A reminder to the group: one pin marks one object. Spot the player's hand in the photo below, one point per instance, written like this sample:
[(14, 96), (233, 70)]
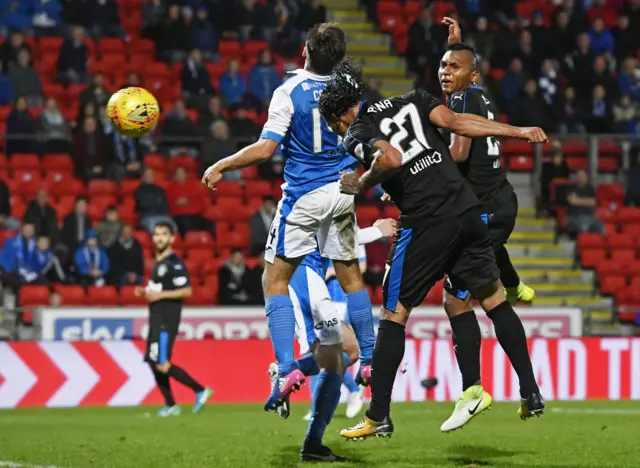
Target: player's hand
[(534, 135), (388, 226), (455, 33), (152, 296), (385, 197), (211, 177), (138, 291), (350, 183)]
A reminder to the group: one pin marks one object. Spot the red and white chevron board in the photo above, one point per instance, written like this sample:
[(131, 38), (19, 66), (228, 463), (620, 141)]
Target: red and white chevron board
[(112, 373)]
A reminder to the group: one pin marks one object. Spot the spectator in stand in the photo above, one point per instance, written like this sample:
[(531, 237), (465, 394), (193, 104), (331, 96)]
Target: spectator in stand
[(125, 155), (216, 145), (554, 169), (548, 82), (232, 278), (577, 20), (632, 197), (6, 93), (632, 10), (89, 150), (629, 79), (132, 80), (109, 228), (263, 78), (16, 256), (126, 259), (10, 49), (73, 58), (249, 14), (54, 128), (579, 65), (43, 216), (512, 83), (530, 110), (241, 126), (489, 83), (570, 113), (212, 114), (96, 92), (484, 37), (260, 223), (527, 53), (253, 281), (45, 264), (624, 115), (151, 202), (202, 34), (601, 38), (274, 17), (600, 76), (627, 41), (75, 226), (21, 129), (73, 12), (173, 43), (507, 41), (372, 93), (153, 14), (599, 118), (88, 110), (421, 48), (311, 12), (186, 202), (176, 129), (6, 221), (582, 205), (103, 18), (24, 80), (560, 36), (196, 83), (540, 35), (377, 253), (92, 262), (233, 86)]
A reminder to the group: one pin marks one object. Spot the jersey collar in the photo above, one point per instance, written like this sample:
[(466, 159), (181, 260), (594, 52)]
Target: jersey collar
[(309, 75)]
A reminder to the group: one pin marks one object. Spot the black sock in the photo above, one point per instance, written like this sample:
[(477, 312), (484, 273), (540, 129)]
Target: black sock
[(508, 274), (512, 338), (387, 356), (466, 343), (164, 384), (181, 376)]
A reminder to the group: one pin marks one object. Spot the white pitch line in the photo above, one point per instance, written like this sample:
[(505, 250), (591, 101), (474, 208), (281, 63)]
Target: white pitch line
[(620, 412), (10, 464)]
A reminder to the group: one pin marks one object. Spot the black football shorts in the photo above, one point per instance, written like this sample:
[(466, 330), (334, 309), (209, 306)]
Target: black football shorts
[(459, 247), (163, 330)]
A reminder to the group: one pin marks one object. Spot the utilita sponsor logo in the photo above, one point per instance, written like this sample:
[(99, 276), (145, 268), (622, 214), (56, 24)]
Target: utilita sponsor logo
[(219, 329)]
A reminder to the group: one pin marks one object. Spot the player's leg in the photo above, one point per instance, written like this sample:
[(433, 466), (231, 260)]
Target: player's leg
[(476, 268), (154, 358), (466, 339), (416, 262)]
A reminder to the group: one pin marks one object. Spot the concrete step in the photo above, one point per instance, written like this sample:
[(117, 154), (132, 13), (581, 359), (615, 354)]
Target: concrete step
[(390, 92), (368, 49), (562, 289), (606, 329), (535, 224), (403, 84), (532, 237), (543, 275), (526, 212), (379, 61), (522, 263), (356, 26), (341, 4), (526, 200), (540, 250), (368, 38), (384, 72), (596, 303), (599, 315), (520, 179), (352, 16)]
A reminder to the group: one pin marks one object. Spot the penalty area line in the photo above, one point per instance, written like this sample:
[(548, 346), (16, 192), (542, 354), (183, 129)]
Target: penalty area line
[(10, 464), (612, 411)]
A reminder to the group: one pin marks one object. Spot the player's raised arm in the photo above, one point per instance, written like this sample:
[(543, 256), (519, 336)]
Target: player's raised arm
[(280, 113), (386, 161), (474, 126), (455, 33)]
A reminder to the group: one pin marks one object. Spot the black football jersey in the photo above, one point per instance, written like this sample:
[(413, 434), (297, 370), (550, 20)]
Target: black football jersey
[(428, 187), (482, 167), (169, 273)]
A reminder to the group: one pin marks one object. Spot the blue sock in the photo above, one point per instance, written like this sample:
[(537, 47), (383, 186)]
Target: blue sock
[(307, 364), (361, 318), (349, 382), (282, 325), (313, 383), (325, 401)]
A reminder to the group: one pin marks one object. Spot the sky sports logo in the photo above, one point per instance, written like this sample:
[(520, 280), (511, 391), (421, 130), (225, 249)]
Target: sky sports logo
[(93, 329)]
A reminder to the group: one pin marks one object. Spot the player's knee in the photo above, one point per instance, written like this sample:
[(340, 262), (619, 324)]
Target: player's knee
[(276, 276), (401, 314), (490, 295), (454, 306), (163, 368)]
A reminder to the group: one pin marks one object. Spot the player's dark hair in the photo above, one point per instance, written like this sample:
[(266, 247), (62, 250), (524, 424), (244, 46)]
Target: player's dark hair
[(343, 91), (464, 47), (326, 46), (165, 224)]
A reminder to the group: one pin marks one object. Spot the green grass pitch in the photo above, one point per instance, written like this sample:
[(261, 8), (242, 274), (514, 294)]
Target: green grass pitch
[(569, 435)]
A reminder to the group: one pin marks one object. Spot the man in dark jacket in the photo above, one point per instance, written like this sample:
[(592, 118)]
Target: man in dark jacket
[(73, 57), (76, 226), (89, 150), (42, 215), (6, 221), (151, 202), (260, 223), (233, 276), (126, 259)]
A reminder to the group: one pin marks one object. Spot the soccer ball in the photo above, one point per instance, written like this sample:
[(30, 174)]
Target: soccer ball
[(133, 111)]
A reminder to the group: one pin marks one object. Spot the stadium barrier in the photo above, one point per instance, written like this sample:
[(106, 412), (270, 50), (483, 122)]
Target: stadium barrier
[(112, 373), (240, 323)]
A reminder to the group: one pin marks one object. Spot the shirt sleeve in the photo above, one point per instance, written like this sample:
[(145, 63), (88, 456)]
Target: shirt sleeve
[(180, 276), (466, 103), (425, 101), (359, 141), (280, 115)]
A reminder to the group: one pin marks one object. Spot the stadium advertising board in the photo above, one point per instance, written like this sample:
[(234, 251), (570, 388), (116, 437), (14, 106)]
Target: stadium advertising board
[(228, 323), (112, 373)]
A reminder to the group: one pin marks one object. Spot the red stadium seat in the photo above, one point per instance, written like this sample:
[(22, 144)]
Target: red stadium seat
[(632, 229), (610, 192), (128, 187), (521, 163), (590, 241), (628, 296), (610, 285), (25, 162), (102, 187), (103, 296), (202, 297), (198, 240), (186, 162), (128, 296), (232, 210), (251, 49), (367, 215), (230, 189), (611, 268), (591, 258), (72, 294), (231, 49), (619, 241), (250, 173), (143, 239), (33, 295), (259, 188), (155, 162), (628, 215), (623, 255), (635, 283), (71, 188), (61, 162), (391, 211)]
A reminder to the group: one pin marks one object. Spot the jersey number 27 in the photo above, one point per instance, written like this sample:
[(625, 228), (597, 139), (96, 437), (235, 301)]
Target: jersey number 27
[(407, 115)]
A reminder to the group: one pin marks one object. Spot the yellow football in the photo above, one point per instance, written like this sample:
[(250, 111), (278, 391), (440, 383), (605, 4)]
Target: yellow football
[(133, 111)]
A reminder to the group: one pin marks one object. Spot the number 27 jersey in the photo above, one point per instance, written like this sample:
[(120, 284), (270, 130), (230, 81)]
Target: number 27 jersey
[(428, 187)]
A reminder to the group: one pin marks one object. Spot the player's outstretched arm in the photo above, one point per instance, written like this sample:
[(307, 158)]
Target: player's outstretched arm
[(386, 160), (455, 33), (474, 126), (251, 155)]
